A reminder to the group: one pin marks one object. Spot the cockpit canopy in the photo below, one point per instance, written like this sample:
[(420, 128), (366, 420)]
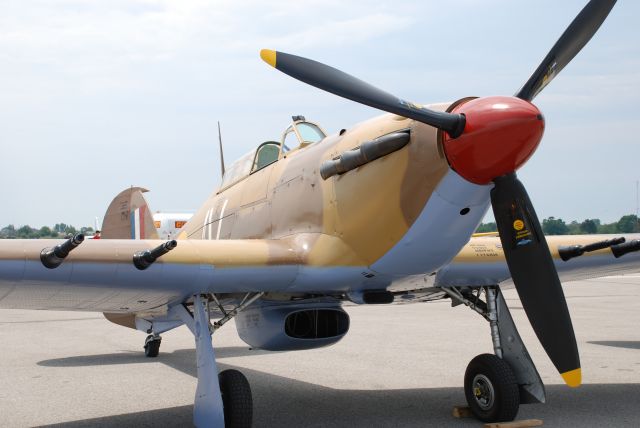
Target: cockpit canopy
[(298, 135)]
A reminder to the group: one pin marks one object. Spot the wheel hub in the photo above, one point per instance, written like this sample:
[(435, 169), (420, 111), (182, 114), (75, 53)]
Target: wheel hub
[(483, 391)]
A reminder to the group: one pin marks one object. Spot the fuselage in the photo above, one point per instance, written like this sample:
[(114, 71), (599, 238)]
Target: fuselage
[(401, 214)]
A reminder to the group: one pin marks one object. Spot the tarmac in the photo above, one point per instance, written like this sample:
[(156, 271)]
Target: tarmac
[(399, 366)]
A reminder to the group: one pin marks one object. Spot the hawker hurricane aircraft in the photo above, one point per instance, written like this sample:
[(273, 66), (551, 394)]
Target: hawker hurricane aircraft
[(380, 212)]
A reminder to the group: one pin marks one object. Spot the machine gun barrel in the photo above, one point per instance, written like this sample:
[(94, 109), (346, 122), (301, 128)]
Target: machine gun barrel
[(53, 257), (628, 247), (144, 259), (603, 244), (567, 253)]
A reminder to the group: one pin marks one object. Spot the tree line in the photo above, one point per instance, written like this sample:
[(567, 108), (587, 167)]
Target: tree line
[(550, 226), (557, 226), (59, 230)]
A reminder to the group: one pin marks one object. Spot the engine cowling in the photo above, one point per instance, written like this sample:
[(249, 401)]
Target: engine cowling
[(292, 327)]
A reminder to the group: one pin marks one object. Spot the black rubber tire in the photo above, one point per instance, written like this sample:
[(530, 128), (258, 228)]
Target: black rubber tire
[(152, 347), (506, 394), (236, 399)]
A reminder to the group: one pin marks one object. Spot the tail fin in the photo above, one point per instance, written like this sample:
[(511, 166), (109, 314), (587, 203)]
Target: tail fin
[(129, 217)]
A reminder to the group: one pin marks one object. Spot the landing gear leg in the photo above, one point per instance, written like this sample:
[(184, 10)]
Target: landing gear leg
[(208, 410), (496, 385), (221, 400)]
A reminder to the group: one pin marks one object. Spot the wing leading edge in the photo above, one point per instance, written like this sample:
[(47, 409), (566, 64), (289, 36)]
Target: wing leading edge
[(100, 275)]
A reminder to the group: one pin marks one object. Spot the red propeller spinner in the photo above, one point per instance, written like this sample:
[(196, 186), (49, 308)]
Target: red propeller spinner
[(500, 135)]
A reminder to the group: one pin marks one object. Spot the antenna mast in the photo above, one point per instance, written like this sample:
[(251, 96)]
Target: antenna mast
[(637, 206), (221, 152)]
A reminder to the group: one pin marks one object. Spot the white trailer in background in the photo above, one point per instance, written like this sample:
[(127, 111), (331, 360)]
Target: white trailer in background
[(169, 224)]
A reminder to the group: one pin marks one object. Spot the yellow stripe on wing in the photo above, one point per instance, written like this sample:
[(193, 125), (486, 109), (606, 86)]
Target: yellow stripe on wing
[(483, 234)]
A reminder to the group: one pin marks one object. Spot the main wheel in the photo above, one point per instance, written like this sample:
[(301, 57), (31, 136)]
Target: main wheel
[(491, 389), (236, 399), (152, 346)]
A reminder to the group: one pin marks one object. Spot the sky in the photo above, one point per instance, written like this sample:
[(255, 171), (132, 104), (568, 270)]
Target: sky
[(96, 96)]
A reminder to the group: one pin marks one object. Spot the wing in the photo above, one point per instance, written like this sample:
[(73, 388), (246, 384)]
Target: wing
[(482, 262), (100, 275)]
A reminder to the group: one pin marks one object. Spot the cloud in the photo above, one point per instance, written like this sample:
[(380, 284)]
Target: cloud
[(352, 31), (79, 36)]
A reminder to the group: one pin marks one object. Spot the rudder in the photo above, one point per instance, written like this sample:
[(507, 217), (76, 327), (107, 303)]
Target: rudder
[(129, 217)]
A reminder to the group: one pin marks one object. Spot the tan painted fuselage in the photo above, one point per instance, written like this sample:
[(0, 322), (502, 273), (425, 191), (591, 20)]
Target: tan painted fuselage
[(349, 219)]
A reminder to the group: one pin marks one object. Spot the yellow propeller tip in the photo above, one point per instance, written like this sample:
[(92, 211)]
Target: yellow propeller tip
[(269, 57), (573, 378)]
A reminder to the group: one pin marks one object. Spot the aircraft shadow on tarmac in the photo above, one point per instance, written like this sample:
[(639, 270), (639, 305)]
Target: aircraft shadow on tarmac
[(280, 401), (181, 359), (627, 344)]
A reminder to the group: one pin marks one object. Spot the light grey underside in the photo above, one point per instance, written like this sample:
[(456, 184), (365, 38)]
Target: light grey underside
[(122, 288)]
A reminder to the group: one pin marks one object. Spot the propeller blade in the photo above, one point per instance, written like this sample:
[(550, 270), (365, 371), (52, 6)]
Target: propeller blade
[(535, 276), (344, 85), (583, 27)]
